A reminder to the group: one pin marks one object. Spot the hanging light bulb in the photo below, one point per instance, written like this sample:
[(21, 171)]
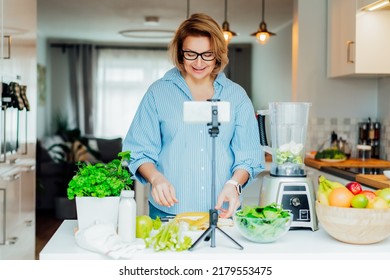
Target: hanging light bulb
[(262, 34), (227, 33)]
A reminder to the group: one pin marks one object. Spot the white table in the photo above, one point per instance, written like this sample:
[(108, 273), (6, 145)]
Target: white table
[(296, 244)]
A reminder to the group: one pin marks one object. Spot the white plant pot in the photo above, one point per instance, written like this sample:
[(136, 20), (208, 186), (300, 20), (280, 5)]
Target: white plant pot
[(93, 210)]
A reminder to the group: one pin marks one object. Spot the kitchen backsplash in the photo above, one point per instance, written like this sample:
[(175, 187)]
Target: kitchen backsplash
[(320, 130)]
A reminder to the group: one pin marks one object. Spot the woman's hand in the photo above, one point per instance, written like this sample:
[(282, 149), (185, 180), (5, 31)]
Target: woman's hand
[(228, 194), (162, 191)]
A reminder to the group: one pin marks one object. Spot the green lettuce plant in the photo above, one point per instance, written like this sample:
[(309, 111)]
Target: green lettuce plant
[(101, 179)]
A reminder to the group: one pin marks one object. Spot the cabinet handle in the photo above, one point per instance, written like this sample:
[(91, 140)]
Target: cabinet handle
[(349, 58), (12, 178), (12, 240)]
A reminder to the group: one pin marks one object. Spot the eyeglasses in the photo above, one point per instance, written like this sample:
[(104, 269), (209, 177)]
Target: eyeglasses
[(206, 56)]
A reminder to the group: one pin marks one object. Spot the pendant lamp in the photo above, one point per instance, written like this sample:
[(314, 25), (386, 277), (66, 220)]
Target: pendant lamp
[(262, 35), (227, 33)]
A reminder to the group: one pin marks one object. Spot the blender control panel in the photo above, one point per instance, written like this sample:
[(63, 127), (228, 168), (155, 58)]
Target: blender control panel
[(295, 199)]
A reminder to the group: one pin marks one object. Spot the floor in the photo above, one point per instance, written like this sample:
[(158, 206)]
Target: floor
[(46, 226)]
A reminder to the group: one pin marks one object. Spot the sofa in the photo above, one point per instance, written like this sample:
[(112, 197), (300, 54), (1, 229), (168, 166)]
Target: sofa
[(57, 158)]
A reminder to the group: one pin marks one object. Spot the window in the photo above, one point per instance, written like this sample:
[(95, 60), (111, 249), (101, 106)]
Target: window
[(123, 76)]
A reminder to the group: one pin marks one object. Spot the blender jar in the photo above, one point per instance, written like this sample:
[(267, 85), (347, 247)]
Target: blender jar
[(288, 126)]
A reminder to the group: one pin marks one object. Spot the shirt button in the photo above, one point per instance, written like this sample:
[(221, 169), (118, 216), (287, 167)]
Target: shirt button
[(200, 131), (202, 168), (202, 187), (201, 149)]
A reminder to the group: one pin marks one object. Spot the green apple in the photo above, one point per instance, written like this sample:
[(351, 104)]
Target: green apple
[(144, 225), (385, 194)]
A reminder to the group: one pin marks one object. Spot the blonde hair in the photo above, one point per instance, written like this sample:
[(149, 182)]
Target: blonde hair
[(200, 25)]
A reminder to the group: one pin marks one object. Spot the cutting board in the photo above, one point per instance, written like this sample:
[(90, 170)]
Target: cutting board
[(378, 181), (349, 163)]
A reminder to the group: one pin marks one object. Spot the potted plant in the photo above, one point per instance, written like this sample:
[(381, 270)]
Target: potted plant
[(97, 188)]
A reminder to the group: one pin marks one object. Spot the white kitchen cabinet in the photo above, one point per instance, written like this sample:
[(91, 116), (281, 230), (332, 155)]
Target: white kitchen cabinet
[(358, 41), (17, 212)]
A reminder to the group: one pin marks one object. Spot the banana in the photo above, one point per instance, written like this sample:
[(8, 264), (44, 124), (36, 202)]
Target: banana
[(330, 184), (325, 187), (323, 193)]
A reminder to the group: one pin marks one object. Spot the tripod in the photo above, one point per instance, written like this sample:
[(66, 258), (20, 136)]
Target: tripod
[(213, 213)]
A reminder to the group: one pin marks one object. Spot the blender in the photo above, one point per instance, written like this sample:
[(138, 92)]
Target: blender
[(288, 184)]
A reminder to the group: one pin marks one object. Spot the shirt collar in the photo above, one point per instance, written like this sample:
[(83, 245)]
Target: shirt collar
[(175, 76)]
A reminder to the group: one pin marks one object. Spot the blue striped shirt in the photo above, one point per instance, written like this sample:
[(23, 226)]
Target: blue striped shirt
[(183, 151)]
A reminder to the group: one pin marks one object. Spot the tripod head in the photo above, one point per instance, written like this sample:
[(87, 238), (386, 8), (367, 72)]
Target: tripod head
[(214, 130)]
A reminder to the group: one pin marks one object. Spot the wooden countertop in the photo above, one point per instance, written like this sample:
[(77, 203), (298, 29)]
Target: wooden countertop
[(377, 181), (349, 163)]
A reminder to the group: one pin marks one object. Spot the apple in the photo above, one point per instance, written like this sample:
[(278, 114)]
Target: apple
[(354, 187), (378, 203), (385, 194), (144, 225), (370, 194)]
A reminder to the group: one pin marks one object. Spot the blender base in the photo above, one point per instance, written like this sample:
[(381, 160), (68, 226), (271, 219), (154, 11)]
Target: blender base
[(294, 194)]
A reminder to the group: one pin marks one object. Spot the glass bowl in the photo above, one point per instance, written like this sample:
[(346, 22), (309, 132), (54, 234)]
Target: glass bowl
[(262, 230)]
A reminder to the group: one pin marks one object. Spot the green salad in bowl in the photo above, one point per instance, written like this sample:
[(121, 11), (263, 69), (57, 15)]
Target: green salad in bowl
[(263, 224)]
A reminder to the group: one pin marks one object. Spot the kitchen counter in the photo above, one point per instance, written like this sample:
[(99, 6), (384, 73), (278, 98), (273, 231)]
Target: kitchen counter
[(296, 244)]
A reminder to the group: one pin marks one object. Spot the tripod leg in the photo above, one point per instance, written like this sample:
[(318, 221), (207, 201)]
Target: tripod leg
[(206, 233), (234, 241)]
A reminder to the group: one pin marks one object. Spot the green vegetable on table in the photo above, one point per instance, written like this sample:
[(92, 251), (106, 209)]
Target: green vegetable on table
[(331, 153), (263, 223), (170, 236), (271, 211)]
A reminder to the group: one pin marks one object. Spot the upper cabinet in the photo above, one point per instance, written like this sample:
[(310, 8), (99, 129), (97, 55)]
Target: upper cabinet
[(358, 41)]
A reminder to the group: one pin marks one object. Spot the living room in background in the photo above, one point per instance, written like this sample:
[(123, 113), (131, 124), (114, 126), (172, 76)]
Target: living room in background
[(123, 76)]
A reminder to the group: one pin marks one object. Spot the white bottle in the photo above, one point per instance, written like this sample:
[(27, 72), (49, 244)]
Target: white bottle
[(127, 216)]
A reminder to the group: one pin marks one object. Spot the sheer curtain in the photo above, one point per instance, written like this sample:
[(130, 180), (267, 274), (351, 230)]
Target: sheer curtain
[(123, 76)]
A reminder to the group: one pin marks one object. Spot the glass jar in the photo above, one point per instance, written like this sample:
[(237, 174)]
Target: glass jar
[(364, 152)]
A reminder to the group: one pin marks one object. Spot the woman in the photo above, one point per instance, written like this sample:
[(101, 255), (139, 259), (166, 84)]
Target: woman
[(175, 157)]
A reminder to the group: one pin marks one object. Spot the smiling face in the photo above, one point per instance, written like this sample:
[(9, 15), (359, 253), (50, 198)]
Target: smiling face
[(198, 69)]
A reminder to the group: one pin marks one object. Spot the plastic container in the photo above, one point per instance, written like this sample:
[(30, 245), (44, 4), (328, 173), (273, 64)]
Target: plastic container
[(127, 216), (288, 123), (364, 152)]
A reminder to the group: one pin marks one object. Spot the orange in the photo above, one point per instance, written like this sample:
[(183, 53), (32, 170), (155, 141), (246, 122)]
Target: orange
[(340, 197)]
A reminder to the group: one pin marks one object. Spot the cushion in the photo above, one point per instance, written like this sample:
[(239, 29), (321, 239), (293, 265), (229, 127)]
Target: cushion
[(109, 148)]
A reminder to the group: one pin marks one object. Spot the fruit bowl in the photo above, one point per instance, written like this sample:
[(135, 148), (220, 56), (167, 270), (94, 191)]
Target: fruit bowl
[(262, 230), (354, 225)]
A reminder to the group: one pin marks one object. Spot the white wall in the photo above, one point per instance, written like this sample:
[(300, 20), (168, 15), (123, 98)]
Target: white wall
[(384, 99), (42, 105), (271, 68), (341, 97)]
